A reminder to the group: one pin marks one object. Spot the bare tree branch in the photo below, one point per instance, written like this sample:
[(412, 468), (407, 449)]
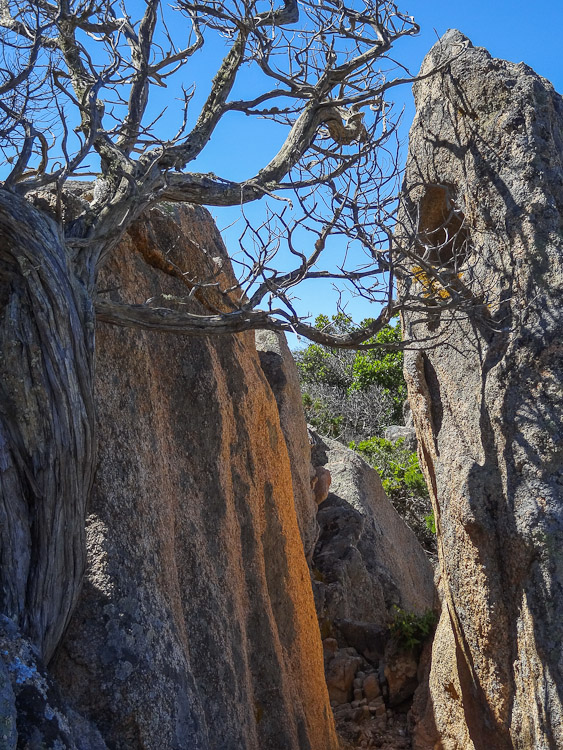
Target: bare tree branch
[(329, 192)]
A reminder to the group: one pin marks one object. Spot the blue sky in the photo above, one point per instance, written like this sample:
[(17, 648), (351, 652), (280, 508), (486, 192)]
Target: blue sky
[(507, 29), (516, 31)]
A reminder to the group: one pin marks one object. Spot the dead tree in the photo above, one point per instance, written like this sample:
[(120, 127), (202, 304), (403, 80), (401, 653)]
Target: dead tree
[(76, 78)]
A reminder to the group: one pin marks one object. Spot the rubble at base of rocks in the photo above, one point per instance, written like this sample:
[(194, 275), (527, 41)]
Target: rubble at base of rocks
[(365, 564)]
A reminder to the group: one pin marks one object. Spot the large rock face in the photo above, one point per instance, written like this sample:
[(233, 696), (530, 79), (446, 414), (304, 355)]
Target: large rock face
[(485, 164), (280, 370), (196, 627), (367, 563), (367, 559)]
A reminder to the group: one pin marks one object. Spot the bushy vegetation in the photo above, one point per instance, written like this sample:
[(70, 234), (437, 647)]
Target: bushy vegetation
[(411, 630), (403, 482), (346, 415), (397, 466), (356, 372), (352, 397)]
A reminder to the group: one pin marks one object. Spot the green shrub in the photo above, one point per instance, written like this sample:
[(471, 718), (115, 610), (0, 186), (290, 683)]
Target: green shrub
[(320, 416), (430, 521), (411, 630), (350, 395), (403, 482), (352, 371), (383, 367), (396, 465)]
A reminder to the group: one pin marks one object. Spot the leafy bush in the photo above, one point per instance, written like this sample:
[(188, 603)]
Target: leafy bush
[(430, 521), (403, 482), (410, 630), (356, 371), (320, 415), (344, 415), (396, 465), (383, 368)]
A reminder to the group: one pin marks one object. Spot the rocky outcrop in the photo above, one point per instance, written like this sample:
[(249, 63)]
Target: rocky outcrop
[(196, 626), (400, 432), (281, 373), (484, 182), (367, 563), (367, 560), (33, 714)]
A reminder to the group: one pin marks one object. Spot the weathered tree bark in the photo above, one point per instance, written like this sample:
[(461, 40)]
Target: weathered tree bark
[(487, 397), (46, 423)]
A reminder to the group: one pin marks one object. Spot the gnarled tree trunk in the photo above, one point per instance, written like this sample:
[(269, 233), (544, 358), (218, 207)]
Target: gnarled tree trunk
[(46, 423)]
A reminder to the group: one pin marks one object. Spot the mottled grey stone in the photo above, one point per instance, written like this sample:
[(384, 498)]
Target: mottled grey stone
[(33, 714), (367, 559), (399, 432), (8, 713), (280, 370), (487, 396)]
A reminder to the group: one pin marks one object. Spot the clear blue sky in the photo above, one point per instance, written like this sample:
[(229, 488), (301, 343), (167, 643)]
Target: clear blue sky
[(507, 29), (513, 30), (516, 31)]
